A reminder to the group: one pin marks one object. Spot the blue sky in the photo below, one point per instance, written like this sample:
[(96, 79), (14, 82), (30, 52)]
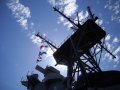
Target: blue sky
[(21, 19)]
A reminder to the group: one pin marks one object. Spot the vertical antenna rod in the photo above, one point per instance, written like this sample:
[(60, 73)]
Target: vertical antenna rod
[(91, 15)]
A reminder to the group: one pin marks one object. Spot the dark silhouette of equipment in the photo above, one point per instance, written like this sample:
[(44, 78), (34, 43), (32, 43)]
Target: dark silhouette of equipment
[(31, 81), (81, 53)]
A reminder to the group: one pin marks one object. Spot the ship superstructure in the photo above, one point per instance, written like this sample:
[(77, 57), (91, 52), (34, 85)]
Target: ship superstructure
[(81, 53)]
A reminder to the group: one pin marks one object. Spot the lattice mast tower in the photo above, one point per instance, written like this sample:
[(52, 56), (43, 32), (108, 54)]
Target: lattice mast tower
[(82, 51)]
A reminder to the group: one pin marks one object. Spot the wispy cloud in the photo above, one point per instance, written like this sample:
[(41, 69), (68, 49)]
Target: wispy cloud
[(112, 45), (21, 12), (114, 6), (68, 7), (115, 40), (83, 16), (117, 50), (111, 42), (108, 37), (36, 40), (99, 22)]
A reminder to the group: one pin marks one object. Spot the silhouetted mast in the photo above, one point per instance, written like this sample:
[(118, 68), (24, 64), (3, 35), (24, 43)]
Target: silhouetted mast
[(80, 48), (45, 40), (81, 53), (75, 25), (91, 15)]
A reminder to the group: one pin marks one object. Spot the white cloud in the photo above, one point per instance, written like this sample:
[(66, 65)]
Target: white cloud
[(116, 53), (20, 12), (115, 40), (68, 7), (68, 24), (112, 46), (82, 16), (108, 37), (114, 7), (117, 50), (49, 52), (23, 23), (108, 45), (61, 18), (99, 22), (32, 24), (53, 2), (36, 40)]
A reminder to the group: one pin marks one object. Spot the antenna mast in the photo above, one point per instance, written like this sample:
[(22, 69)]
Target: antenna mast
[(79, 52), (46, 40)]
